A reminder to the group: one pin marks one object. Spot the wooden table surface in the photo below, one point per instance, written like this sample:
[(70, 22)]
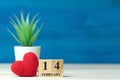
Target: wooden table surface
[(72, 72)]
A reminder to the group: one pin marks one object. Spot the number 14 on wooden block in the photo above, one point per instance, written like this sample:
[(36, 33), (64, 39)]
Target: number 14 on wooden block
[(51, 68)]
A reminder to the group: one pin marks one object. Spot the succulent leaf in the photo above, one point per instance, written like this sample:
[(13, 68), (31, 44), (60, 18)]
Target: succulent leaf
[(26, 32)]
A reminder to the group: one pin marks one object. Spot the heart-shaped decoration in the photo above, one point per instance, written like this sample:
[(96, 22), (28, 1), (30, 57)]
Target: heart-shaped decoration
[(27, 67)]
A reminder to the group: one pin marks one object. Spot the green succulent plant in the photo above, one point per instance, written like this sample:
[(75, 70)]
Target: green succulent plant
[(26, 32)]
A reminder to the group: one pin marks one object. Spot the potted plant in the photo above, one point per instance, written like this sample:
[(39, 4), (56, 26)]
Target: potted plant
[(26, 34)]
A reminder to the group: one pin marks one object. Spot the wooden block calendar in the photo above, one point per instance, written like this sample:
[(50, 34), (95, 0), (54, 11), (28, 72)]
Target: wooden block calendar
[(51, 67)]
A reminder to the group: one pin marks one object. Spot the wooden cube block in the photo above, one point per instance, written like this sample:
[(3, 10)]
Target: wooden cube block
[(51, 67)]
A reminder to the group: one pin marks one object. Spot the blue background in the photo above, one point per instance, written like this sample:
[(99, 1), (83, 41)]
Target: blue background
[(78, 31)]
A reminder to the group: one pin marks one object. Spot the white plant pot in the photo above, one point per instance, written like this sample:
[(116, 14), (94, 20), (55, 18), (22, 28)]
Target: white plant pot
[(20, 51)]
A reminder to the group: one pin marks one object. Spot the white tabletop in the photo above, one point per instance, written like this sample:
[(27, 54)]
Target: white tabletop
[(72, 72)]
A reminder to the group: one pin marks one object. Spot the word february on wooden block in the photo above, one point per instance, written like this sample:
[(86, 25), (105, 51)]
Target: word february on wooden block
[(51, 67)]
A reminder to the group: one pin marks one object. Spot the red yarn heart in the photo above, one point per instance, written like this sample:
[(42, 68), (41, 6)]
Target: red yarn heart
[(27, 67)]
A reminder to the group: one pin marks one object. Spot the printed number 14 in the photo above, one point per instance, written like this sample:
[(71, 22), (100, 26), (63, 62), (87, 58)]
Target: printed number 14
[(57, 66)]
